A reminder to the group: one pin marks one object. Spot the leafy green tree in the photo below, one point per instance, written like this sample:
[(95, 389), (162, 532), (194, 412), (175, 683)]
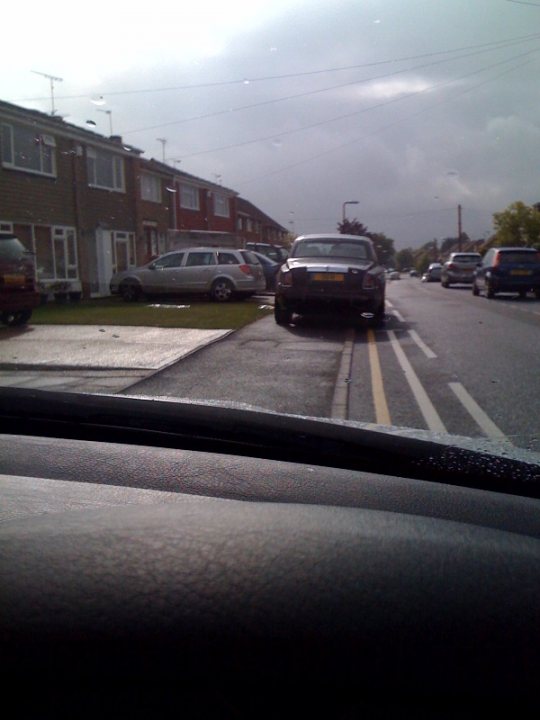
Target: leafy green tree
[(517, 226), (404, 259), (384, 247)]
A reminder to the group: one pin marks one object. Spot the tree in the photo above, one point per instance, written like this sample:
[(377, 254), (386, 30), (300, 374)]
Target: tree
[(384, 247), (517, 226), (352, 227), (404, 259)]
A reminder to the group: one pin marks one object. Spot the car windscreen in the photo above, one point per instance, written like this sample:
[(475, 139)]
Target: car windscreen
[(467, 258), (11, 248), (356, 250), (509, 258)]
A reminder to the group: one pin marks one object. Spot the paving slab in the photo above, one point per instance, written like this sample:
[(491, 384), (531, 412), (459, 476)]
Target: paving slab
[(103, 347)]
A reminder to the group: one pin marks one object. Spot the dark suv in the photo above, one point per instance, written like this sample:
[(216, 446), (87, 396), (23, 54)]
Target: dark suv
[(508, 269), (277, 253), (18, 294)]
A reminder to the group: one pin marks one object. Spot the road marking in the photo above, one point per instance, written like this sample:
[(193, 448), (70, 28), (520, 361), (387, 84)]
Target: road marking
[(398, 315), (422, 345), (487, 425), (382, 416), (430, 415), (340, 401)]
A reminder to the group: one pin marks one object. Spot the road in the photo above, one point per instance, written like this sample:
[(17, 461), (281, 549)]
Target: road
[(445, 361)]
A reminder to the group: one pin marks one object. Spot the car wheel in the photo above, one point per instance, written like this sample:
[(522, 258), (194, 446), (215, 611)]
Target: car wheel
[(522, 294), (222, 291), (490, 293), (537, 293), (282, 315), (130, 291), (475, 290), (16, 318), (445, 283)]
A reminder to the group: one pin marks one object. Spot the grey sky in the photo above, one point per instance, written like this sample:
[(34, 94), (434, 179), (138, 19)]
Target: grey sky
[(408, 138)]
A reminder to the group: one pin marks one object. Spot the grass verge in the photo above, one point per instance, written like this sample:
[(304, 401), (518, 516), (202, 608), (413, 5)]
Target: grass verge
[(178, 313)]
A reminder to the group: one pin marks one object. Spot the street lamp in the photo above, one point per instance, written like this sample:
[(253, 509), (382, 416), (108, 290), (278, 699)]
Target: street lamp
[(348, 202)]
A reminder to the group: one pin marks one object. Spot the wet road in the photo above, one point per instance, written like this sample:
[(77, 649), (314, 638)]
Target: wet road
[(444, 361)]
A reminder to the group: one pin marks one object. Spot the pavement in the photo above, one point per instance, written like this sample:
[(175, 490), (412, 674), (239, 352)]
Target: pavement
[(93, 358)]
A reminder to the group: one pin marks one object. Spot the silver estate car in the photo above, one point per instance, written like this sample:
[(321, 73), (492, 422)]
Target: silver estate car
[(222, 273)]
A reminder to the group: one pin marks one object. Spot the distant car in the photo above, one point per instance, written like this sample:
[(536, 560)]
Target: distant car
[(459, 268), (18, 292), (413, 273), (270, 269), (331, 273), (394, 275), (508, 269), (221, 273), (277, 253), (433, 273)]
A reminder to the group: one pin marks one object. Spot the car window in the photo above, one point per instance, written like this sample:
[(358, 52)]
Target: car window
[(249, 257), (508, 258), (332, 248), (200, 258), (225, 258), (174, 260)]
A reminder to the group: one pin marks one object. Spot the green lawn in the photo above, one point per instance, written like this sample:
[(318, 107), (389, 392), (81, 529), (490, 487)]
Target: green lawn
[(168, 314)]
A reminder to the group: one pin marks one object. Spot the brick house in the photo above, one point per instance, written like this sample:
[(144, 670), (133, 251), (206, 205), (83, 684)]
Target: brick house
[(253, 225), (89, 206)]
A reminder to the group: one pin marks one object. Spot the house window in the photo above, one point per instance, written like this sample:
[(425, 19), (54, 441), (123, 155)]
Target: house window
[(249, 225), (189, 197), (105, 170), (25, 149), (123, 251), (56, 253), (221, 205), (150, 188)]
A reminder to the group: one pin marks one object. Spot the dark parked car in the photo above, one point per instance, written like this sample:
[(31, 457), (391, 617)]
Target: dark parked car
[(433, 273), (331, 273), (275, 252), (508, 269), (18, 293), (459, 268), (270, 269)]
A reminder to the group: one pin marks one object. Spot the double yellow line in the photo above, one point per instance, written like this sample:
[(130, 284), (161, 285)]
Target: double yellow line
[(382, 415)]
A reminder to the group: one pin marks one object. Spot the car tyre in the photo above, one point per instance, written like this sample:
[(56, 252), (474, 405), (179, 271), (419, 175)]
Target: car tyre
[(475, 290), (282, 315), (16, 318), (537, 293), (445, 283), (222, 291), (379, 317), (490, 293), (130, 291), (522, 294)]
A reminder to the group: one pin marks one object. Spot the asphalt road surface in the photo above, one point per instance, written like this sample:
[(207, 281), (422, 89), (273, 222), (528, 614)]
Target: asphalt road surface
[(445, 361)]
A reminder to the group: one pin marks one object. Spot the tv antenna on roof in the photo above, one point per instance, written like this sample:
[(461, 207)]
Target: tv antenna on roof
[(52, 79)]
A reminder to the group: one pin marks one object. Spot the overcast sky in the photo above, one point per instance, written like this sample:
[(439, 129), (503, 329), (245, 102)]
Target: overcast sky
[(409, 107)]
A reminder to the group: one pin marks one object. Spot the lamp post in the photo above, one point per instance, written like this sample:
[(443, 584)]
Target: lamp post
[(348, 202)]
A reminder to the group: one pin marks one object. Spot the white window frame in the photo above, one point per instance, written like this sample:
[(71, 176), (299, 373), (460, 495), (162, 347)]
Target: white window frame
[(151, 188), (63, 235), (118, 236), (46, 155), (117, 169), (189, 197), (221, 205)]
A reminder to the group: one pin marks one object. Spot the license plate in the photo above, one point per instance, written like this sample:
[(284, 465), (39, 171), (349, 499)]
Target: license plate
[(13, 279), (328, 277), (520, 272)]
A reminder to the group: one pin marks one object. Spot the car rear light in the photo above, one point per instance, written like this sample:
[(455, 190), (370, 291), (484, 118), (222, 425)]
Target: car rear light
[(369, 282), (285, 278), (497, 260), (451, 266), (246, 269)]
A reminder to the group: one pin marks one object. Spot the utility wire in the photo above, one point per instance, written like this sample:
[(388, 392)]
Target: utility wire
[(247, 80), (308, 93), (379, 130), (414, 93)]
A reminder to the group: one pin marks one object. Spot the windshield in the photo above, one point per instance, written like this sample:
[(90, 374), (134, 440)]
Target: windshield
[(329, 248), (148, 153)]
